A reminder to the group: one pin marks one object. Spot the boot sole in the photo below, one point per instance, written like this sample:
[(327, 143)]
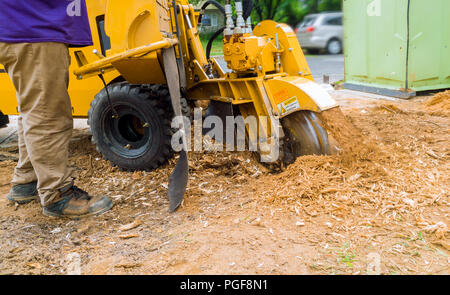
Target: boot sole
[(22, 200), (51, 214)]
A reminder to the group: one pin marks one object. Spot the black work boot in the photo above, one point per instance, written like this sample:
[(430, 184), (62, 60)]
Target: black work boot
[(75, 203), (23, 193)]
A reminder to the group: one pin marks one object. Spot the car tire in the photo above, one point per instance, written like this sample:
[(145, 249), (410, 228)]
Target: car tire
[(334, 47)]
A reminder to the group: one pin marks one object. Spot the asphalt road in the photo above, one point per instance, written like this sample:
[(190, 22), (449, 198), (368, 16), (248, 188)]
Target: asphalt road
[(331, 65)]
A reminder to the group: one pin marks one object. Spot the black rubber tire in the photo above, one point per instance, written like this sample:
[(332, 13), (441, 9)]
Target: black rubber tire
[(127, 142), (4, 120), (304, 135)]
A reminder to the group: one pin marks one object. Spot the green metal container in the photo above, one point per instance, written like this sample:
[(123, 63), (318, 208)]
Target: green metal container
[(397, 47)]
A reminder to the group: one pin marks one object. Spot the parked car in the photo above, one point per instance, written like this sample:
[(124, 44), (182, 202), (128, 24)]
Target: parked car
[(321, 31)]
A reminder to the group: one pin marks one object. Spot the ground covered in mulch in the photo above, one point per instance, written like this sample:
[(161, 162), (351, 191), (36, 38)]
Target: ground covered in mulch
[(379, 205)]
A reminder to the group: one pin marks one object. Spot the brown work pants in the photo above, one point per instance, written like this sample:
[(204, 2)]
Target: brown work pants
[(40, 74)]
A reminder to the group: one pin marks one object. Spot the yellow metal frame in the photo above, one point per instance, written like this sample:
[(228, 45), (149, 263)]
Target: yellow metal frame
[(271, 56), (270, 71), (107, 63), (272, 85)]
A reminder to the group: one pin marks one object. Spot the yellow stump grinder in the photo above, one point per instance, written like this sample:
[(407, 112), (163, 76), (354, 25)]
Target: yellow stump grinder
[(263, 78)]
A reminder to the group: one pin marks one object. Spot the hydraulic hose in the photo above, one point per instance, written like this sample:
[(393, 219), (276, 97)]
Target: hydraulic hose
[(211, 41), (206, 4), (248, 8)]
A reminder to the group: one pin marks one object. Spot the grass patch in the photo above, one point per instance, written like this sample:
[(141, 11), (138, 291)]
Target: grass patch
[(346, 255), (217, 47)]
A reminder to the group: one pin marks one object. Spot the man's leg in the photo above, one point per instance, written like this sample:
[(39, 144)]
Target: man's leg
[(40, 73), (24, 184), (24, 172), (24, 187)]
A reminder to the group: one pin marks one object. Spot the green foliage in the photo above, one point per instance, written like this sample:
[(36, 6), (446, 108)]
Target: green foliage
[(330, 5), (292, 11), (217, 46)]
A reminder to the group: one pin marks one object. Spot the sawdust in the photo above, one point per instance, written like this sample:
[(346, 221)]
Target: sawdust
[(439, 105), (385, 192), (353, 145), (373, 169)]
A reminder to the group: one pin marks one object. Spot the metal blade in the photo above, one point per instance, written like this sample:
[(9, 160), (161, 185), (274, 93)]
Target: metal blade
[(178, 182), (179, 179)]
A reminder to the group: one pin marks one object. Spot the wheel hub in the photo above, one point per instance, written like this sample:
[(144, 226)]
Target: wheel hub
[(129, 135)]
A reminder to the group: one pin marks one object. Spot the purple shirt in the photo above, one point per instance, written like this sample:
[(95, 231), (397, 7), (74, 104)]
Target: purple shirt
[(33, 21)]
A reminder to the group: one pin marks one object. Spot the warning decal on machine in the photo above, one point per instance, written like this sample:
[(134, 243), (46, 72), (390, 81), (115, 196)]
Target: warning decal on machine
[(289, 105)]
